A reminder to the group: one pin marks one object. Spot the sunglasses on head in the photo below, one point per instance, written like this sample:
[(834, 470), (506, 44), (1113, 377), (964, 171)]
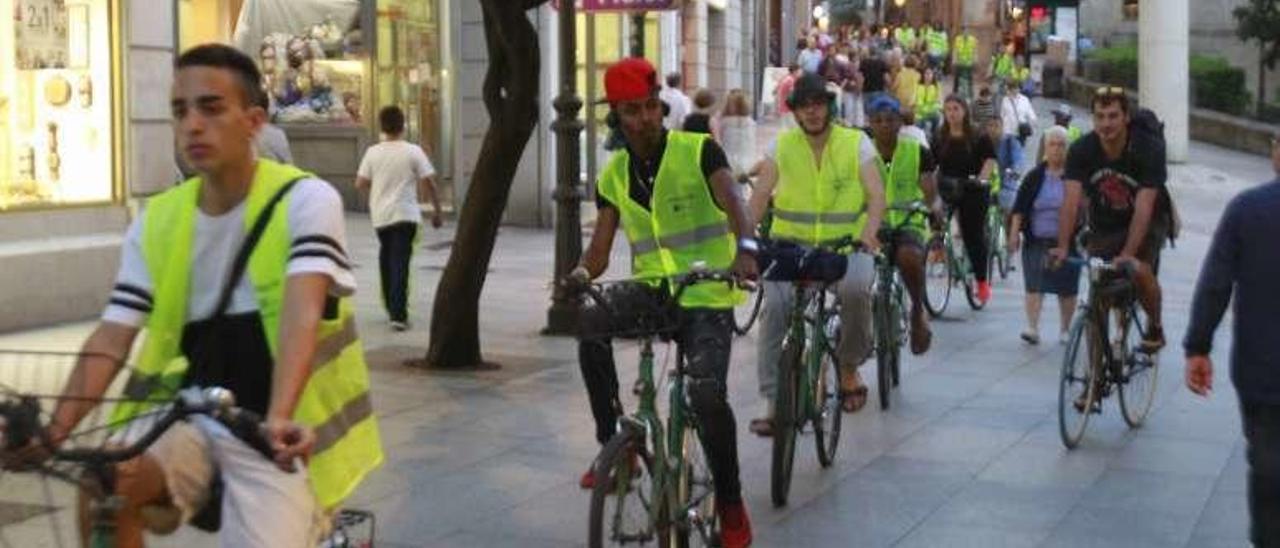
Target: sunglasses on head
[(1108, 91)]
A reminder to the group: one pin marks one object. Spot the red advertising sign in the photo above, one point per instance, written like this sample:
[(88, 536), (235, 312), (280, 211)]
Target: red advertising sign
[(621, 5)]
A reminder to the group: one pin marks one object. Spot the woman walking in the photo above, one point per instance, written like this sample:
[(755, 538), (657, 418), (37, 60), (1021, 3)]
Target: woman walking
[(1035, 217), (965, 153), (738, 134)]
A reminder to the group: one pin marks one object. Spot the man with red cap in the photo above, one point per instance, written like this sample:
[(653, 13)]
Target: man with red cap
[(674, 196)]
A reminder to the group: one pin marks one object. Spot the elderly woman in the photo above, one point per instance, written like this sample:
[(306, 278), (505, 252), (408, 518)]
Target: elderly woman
[(1035, 218)]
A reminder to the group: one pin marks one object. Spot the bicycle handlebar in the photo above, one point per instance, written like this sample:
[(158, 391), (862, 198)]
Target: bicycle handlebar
[(22, 426)]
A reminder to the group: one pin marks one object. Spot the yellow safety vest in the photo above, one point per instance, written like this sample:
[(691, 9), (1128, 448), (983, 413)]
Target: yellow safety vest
[(937, 42), (817, 204), (1004, 66), (682, 224), (335, 402), (966, 48), (928, 100), (902, 184), (906, 36)]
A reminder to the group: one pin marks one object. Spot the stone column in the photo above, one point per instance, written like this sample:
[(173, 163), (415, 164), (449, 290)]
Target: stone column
[(1164, 81), (694, 23)]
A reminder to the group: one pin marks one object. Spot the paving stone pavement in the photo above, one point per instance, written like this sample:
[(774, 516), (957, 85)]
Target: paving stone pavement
[(968, 455)]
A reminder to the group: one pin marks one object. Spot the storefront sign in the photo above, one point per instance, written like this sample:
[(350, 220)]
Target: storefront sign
[(40, 34), (622, 5)]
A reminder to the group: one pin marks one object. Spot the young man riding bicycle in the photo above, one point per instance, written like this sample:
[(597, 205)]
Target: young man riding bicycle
[(280, 335), (907, 169), (825, 185), (1122, 174), (674, 196)]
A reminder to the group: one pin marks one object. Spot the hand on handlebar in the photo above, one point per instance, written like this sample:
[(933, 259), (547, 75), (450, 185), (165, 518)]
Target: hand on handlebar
[(745, 267), (290, 441)]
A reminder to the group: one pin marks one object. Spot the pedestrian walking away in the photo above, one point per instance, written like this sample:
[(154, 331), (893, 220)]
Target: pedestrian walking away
[(1242, 266), (397, 177)]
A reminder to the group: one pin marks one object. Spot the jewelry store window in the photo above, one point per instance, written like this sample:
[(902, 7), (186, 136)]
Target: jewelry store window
[(57, 135)]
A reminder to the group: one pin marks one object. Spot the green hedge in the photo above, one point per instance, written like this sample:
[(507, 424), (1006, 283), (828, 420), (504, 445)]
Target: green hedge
[(1215, 84)]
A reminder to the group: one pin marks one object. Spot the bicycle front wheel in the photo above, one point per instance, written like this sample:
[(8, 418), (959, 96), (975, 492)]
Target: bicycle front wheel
[(786, 421), (938, 280), (623, 505), (885, 343), (1138, 380), (827, 419), (1077, 388), (695, 522)]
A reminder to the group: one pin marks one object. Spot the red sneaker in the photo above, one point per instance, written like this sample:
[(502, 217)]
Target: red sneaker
[(984, 292), (735, 525), (588, 479)]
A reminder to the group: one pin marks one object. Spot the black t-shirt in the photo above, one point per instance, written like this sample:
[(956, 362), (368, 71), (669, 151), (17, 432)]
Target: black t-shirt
[(645, 172), (697, 123), (1112, 185), (960, 158), (873, 74)]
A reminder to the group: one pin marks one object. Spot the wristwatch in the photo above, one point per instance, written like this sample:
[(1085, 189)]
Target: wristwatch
[(749, 246)]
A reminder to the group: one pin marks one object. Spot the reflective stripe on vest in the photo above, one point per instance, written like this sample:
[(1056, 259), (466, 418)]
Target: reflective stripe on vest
[(815, 204), (334, 402), (682, 224)]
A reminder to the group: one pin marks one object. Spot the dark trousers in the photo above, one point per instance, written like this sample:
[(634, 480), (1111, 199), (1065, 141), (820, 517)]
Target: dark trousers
[(395, 248), (972, 211), (1262, 435), (704, 336)]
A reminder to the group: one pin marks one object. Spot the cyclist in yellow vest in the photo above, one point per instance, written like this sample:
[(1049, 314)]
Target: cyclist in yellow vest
[(928, 106), (282, 337), (906, 37), (824, 184), (964, 56), (907, 167), (675, 198), (937, 46), (1002, 67)]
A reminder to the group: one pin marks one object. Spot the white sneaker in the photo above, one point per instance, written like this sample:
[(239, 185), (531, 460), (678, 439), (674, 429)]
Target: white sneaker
[(1064, 338), (399, 326)]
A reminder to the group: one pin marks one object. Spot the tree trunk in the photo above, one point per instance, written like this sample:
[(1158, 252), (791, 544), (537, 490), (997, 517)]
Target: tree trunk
[(511, 99)]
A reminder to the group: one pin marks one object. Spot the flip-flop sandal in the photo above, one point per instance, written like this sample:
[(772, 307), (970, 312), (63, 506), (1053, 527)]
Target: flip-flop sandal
[(762, 427), (852, 401)]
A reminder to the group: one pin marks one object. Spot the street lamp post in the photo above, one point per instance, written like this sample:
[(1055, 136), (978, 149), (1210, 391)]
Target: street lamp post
[(562, 317)]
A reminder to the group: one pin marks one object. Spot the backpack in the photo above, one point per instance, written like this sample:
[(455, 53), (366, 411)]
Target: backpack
[(1145, 125)]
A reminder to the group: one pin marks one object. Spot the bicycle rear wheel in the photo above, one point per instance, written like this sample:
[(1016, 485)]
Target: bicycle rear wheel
[(1138, 378), (695, 522), (786, 421), (1080, 365), (623, 506), (745, 316), (938, 280)]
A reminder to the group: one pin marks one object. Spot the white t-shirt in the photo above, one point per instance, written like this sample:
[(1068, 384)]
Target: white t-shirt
[(916, 133), (394, 168), (1016, 110), (316, 226)]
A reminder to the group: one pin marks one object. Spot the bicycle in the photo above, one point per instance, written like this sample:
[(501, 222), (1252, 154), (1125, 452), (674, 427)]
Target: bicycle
[(745, 315), (87, 459), (1102, 329), (889, 305), (998, 259), (947, 263), (656, 477), (808, 389)]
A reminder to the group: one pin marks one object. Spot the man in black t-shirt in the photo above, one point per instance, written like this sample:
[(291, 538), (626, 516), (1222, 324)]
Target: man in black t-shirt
[(1122, 176)]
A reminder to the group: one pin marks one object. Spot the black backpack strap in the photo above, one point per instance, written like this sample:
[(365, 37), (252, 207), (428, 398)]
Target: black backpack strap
[(246, 249)]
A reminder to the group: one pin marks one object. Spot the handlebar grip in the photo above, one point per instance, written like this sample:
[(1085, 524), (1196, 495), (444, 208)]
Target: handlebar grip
[(247, 426)]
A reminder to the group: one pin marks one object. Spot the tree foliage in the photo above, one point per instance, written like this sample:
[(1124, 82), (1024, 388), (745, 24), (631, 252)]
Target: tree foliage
[(1260, 20)]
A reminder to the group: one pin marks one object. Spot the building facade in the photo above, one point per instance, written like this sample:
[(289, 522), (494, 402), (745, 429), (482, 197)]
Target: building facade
[(85, 134)]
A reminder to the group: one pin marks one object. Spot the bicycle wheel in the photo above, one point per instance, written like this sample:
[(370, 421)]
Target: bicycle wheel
[(938, 280), (827, 417), (786, 420), (1138, 377), (623, 505), (882, 312), (745, 316), (695, 521), (901, 328), (1080, 364)]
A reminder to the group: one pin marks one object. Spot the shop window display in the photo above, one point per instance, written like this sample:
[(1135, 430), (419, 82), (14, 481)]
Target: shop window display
[(56, 139)]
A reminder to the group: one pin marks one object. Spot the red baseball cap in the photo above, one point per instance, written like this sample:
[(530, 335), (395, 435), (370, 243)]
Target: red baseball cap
[(630, 79)]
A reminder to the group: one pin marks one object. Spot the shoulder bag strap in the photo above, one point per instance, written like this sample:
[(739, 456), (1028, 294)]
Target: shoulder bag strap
[(246, 249)]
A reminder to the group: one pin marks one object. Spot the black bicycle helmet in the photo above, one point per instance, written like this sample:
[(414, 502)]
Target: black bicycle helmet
[(809, 87)]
